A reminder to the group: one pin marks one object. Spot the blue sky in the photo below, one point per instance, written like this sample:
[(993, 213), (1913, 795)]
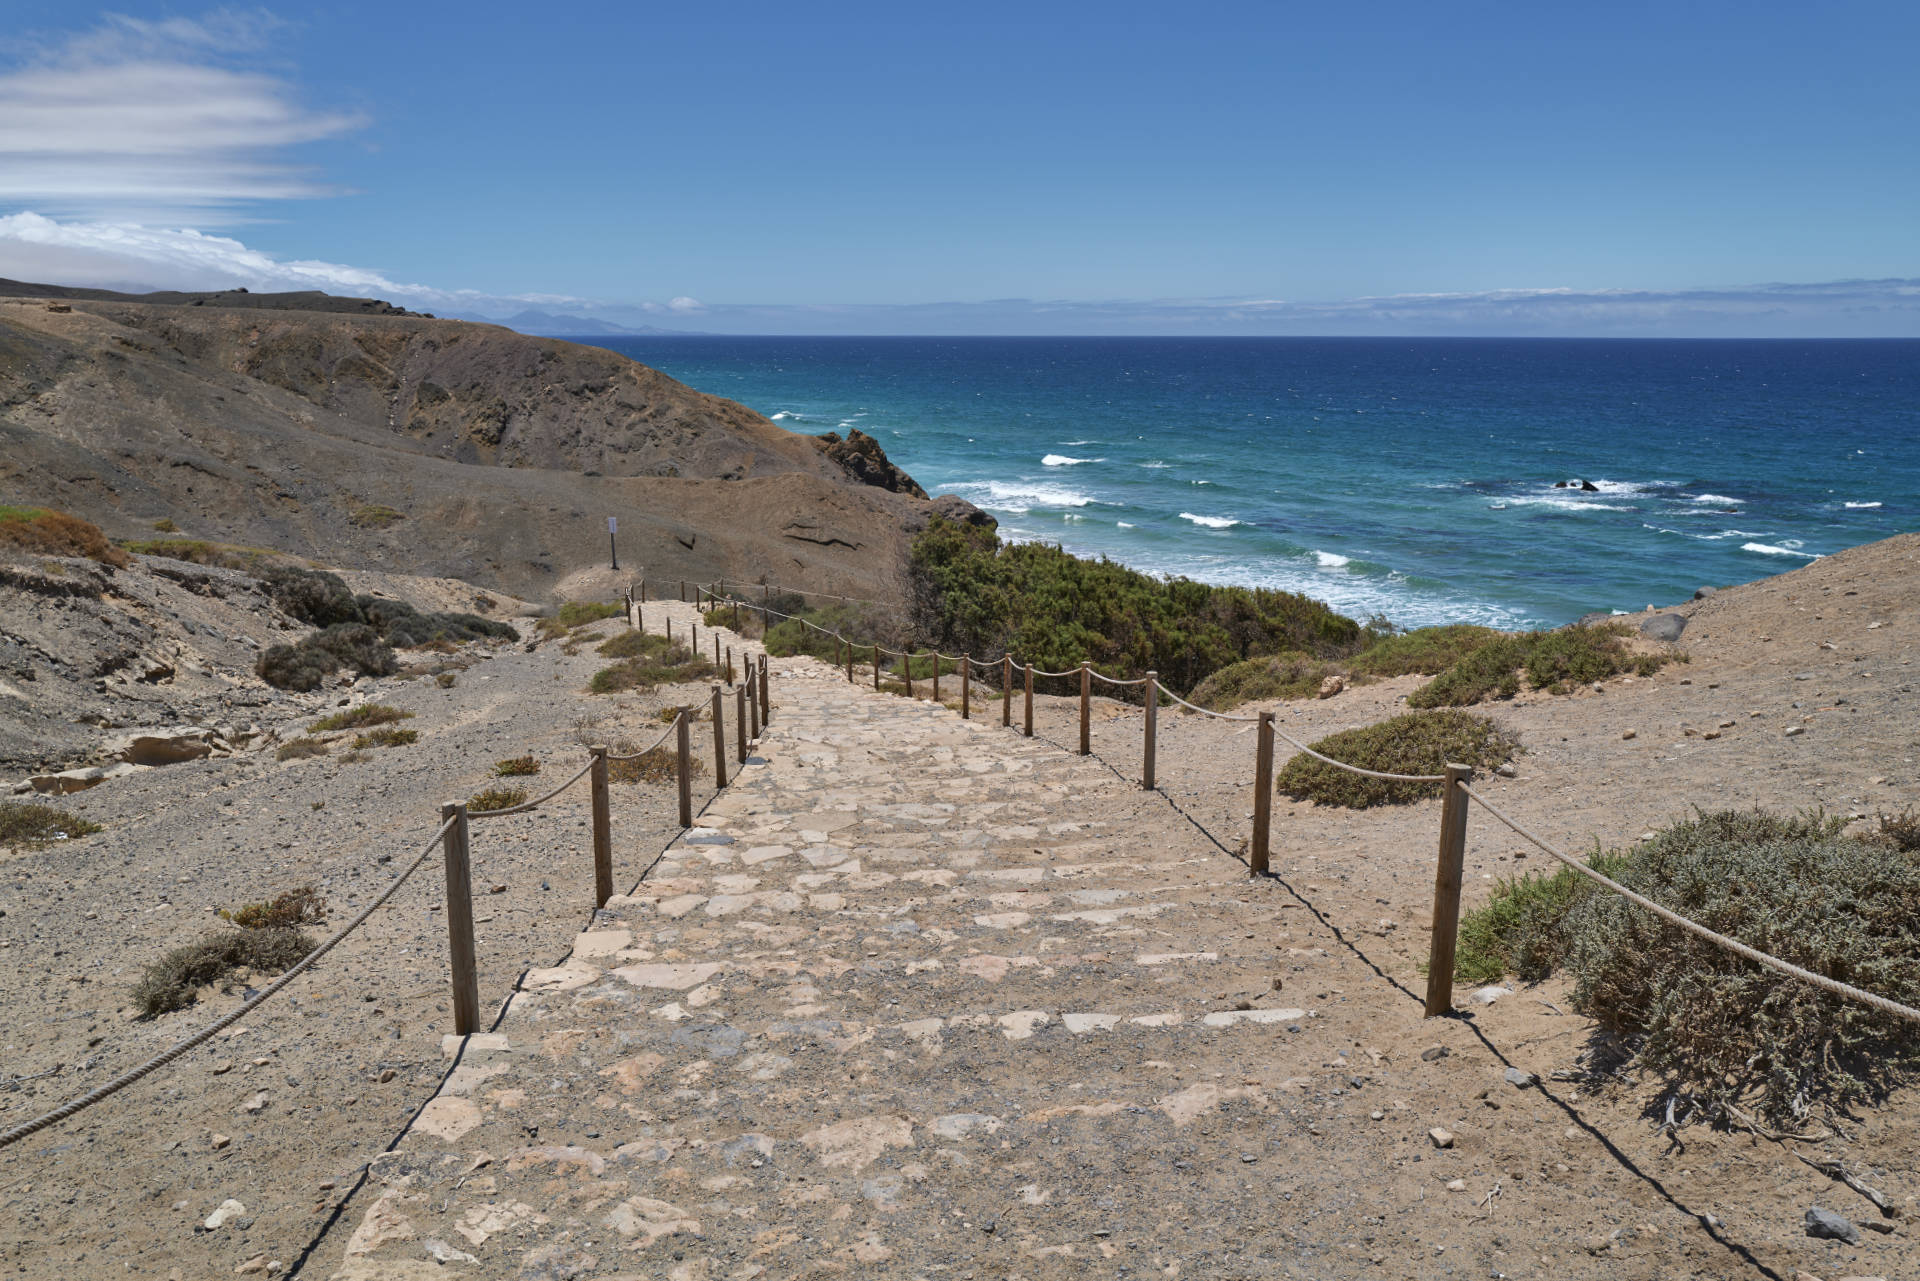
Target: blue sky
[(1225, 167)]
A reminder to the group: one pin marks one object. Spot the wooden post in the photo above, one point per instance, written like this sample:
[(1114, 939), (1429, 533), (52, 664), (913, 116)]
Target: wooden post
[(716, 649), (1446, 890), (693, 633), (1086, 710), (669, 629), (683, 762), (906, 662), (1028, 731), (849, 661), (1258, 853), (602, 830), (766, 702), (643, 591), (752, 688), (466, 980), (683, 591), (719, 740), (936, 675), (966, 687), (740, 713), (876, 667), (730, 679), (766, 599), (1153, 717), (1006, 691)]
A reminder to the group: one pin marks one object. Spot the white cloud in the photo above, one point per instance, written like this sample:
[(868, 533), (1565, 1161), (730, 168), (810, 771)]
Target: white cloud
[(142, 119)]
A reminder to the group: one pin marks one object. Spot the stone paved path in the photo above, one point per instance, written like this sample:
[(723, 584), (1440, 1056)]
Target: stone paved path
[(922, 998)]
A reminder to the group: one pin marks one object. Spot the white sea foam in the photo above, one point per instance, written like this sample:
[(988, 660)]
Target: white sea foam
[(1560, 503), (1156, 465), (783, 414), (1061, 460), (1076, 442), (1860, 506), (1124, 524), (1769, 549), (1211, 522), (1020, 496), (1718, 500), (1331, 560)]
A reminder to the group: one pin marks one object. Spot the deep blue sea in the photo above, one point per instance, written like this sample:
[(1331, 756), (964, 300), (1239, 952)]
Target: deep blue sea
[(1413, 478)]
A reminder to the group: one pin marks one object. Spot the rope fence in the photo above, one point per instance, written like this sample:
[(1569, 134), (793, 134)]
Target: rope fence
[(453, 838), (1455, 798)]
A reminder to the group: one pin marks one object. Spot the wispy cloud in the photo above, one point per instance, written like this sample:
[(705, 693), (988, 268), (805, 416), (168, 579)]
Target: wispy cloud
[(153, 121)]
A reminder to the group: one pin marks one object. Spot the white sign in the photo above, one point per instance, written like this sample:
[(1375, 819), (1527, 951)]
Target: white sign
[(613, 524)]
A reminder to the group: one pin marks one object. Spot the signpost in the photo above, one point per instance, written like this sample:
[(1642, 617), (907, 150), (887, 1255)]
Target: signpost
[(613, 527)]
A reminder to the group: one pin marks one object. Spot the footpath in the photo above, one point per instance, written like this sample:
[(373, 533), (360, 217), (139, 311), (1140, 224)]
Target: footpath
[(921, 997)]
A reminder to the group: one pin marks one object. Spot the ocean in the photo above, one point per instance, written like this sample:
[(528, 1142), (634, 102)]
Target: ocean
[(1422, 480)]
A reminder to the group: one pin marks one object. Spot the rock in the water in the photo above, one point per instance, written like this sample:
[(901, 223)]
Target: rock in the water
[(1663, 627), (1332, 685), (1829, 1226)]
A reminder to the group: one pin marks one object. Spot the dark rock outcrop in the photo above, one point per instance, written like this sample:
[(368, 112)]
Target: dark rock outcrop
[(862, 458)]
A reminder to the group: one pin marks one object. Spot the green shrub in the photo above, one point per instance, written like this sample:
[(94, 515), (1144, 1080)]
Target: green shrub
[(1260, 679), (374, 516), (1426, 651), (634, 644), (168, 984), (24, 825), (299, 749), (577, 613), (51, 533), (1416, 743), (1902, 831), (655, 765), (1519, 931), (516, 767), (1554, 661), (165, 526), (446, 680), (364, 716), (668, 666), (1723, 1029), (496, 798), (386, 737), (969, 592), (312, 596), (304, 906), (304, 666), (360, 632), (199, 551)]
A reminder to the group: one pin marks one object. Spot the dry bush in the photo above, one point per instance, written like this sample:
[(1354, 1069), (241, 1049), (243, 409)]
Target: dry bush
[(27, 826), (496, 798), (364, 716), (1416, 743), (386, 736), (51, 533), (169, 983), (655, 765), (300, 748), (516, 767), (303, 906), (446, 680)]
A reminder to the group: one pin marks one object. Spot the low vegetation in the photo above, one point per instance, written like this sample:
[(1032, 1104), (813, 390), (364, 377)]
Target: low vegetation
[(1555, 661), (26, 826), (574, 614), (1292, 675), (44, 532), (496, 798), (374, 516), (198, 551), (303, 906), (360, 632), (650, 661), (971, 593), (1720, 1029), (516, 767), (1416, 743), (1424, 651), (365, 716), (386, 736), (655, 765), (172, 982), (299, 749), (446, 680)]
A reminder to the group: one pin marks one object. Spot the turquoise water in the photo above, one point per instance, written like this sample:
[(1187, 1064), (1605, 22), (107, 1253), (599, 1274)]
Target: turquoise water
[(1411, 478)]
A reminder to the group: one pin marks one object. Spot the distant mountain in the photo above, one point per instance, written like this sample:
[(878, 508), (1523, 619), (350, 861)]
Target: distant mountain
[(547, 324)]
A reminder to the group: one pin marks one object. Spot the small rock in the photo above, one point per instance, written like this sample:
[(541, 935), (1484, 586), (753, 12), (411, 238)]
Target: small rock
[(1377, 1115), (232, 1209), (220, 1141), (1444, 1138), (1663, 627), (1629, 733), (1829, 1226), (1710, 734), (1505, 769), (258, 1263), (257, 1103), (1520, 1080), (1332, 685), (386, 1075), (1433, 1053), (1701, 593), (1488, 995), (1456, 1185), (1249, 1157), (1795, 731)]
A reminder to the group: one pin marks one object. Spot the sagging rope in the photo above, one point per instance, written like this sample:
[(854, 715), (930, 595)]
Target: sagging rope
[(634, 756), (247, 1007), (1693, 927), (524, 806)]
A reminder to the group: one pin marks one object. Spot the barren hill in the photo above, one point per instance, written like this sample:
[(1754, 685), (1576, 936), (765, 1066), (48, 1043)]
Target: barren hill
[(372, 437)]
